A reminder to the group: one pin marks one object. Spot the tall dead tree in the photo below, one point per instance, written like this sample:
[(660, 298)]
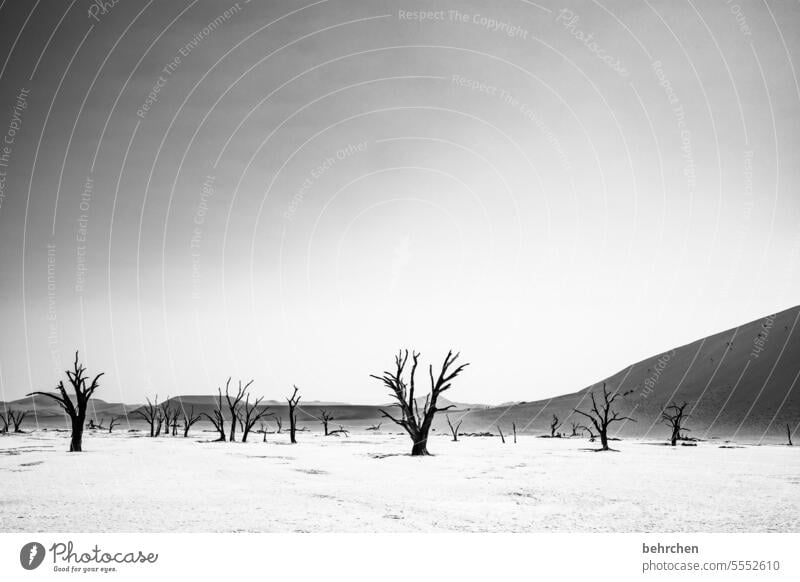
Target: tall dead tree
[(188, 420), (16, 417), (674, 417), (234, 402), (166, 417), (251, 414), (554, 426), (75, 410), (150, 414), (217, 418), (453, 429), (602, 415), (415, 420), (293, 400), (112, 423), (325, 417)]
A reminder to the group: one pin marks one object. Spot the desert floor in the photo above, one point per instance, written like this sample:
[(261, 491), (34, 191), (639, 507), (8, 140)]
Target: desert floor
[(368, 483)]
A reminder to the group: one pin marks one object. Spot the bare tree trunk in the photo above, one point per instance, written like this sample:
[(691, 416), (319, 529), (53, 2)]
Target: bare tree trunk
[(514, 428), (76, 442), (420, 448), (502, 438), (604, 440), (789, 434)]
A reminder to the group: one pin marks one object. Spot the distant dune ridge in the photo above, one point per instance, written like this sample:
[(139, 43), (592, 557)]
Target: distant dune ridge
[(740, 383)]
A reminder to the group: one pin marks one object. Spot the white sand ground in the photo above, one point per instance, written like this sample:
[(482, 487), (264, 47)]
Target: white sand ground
[(367, 483)]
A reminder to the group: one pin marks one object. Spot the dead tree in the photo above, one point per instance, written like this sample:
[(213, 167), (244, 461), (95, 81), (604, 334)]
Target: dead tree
[(602, 415), (340, 430), (166, 417), (293, 400), (234, 404), (453, 429), (75, 410), (251, 415), (188, 420), (415, 420), (502, 438), (4, 425), (113, 422), (575, 426), (374, 426), (674, 417), (15, 418), (150, 414), (325, 418), (217, 418), (514, 428), (789, 434), (555, 424), (279, 422)]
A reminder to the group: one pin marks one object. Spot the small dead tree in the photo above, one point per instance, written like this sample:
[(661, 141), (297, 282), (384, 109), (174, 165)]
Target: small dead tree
[(166, 417), (575, 426), (674, 416), (340, 430), (278, 422), (374, 426), (150, 414), (415, 420), (251, 414), (112, 423), (75, 410), (293, 400), (789, 434), (189, 419), (234, 404), (602, 415), (325, 417), (217, 418), (555, 424), (453, 429), (514, 428), (176, 414), (16, 417), (502, 437)]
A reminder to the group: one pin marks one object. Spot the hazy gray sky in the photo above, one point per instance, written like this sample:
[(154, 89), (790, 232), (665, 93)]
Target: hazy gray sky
[(290, 191)]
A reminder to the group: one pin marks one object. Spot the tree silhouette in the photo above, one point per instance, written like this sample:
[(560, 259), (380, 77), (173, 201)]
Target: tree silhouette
[(75, 410), (15, 418), (453, 429), (188, 420), (325, 417), (234, 403), (415, 420), (554, 425), (674, 417), (149, 413), (251, 415), (602, 415), (293, 401), (218, 420)]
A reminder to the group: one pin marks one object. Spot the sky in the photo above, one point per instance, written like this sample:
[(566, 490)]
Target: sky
[(291, 191)]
